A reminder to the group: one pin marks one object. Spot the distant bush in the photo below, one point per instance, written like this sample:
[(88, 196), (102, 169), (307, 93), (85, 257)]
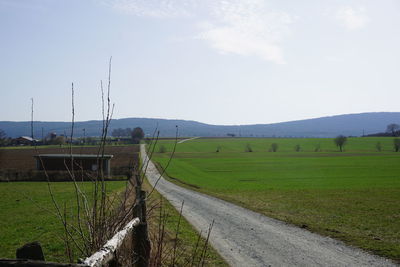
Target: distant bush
[(317, 148), (162, 149), (378, 146), (274, 147), (248, 148), (297, 148), (396, 144)]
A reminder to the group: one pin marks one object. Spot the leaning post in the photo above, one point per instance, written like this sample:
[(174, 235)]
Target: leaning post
[(141, 242)]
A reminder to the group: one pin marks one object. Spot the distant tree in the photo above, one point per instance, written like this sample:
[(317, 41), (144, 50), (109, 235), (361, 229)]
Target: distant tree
[(378, 146), (340, 141), (49, 139), (116, 132), (59, 140), (231, 134), (162, 149), (396, 144), (90, 140), (3, 137), (137, 135), (2, 134), (274, 147), (248, 148), (297, 148), (392, 128), (119, 132)]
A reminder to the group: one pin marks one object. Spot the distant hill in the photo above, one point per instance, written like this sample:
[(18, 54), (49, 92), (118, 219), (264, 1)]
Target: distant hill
[(349, 125)]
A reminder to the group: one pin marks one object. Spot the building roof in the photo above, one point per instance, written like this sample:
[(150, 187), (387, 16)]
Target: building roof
[(28, 138), (76, 156)]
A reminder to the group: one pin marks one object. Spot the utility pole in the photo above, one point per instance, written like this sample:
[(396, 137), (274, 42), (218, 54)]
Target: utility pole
[(32, 119)]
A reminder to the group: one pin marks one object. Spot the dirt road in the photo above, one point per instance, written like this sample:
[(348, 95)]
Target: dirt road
[(246, 238)]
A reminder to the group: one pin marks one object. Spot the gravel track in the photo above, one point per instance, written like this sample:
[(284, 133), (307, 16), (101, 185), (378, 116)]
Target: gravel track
[(185, 140), (245, 238)]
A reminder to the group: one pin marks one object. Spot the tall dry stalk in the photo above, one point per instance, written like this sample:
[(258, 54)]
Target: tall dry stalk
[(167, 247), (97, 216)]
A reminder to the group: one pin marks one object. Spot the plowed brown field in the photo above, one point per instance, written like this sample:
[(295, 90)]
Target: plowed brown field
[(23, 160)]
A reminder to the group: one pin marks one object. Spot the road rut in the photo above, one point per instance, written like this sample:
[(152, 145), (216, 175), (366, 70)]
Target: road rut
[(246, 238)]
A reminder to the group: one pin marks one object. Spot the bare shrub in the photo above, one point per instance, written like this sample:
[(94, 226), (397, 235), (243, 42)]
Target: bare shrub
[(248, 148), (274, 147), (93, 217), (378, 146)]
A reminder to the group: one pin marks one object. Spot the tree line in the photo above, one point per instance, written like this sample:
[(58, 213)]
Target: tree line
[(392, 129), (134, 136)]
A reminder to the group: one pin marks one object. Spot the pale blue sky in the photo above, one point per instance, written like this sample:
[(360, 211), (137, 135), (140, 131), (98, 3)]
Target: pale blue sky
[(214, 61)]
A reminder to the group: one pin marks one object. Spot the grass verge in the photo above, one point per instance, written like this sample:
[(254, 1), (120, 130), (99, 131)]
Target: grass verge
[(28, 214), (188, 237)]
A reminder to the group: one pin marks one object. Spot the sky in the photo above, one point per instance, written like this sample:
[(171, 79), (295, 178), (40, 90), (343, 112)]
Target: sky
[(213, 61)]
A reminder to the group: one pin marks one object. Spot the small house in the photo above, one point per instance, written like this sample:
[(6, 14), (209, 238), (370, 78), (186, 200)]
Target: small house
[(81, 162)]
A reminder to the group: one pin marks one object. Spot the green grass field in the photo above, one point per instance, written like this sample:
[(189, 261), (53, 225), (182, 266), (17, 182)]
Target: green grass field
[(26, 213), (352, 195)]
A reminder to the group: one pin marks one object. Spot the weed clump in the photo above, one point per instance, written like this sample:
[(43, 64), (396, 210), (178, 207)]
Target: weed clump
[(248, 148), (162, 149), (378, 146)]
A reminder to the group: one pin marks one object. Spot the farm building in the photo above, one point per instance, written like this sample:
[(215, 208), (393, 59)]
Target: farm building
[(25, 140), (86, 162)]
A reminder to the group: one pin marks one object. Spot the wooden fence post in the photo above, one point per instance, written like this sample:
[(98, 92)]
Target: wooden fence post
[(31, 251), (141, 242)]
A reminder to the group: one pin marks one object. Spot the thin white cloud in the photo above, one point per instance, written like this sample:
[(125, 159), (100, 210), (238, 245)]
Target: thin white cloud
[(242, 27), (352, 18), (246, 27)]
